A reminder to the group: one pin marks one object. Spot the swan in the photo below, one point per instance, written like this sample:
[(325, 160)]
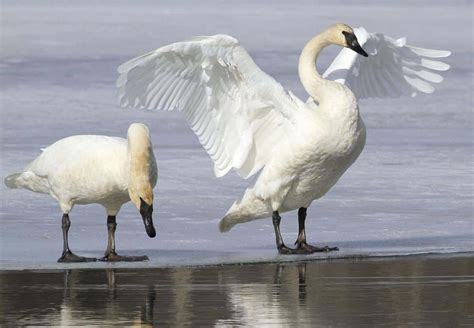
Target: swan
[(86, 169), (247, 122)]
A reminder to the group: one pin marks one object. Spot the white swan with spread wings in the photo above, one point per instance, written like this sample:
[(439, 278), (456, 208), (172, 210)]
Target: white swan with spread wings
[(247, 122)]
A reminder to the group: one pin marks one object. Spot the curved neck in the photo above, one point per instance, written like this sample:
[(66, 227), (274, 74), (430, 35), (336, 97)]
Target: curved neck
[(312, 81), (140, 156)]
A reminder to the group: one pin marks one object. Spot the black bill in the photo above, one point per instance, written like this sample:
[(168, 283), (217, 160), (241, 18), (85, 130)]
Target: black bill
[(146, 211), (353, 44)]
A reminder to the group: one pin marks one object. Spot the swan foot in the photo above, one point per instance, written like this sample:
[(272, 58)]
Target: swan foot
[(114, 257), (301, 241), (315, 249), (282, 249), (70, 257)]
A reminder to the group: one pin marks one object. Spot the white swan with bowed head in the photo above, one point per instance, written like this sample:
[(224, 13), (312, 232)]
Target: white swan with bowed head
[(88, 169), (246, 121)]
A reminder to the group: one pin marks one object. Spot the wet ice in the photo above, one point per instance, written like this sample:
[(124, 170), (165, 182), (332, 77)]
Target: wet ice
[(410, 191)]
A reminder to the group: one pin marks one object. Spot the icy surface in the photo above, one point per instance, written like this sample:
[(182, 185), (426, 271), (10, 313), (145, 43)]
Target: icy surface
[(411, 190)]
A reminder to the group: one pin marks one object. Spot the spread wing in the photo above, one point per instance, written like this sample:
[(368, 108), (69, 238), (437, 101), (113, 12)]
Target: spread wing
[(392, 69), (238, 112)]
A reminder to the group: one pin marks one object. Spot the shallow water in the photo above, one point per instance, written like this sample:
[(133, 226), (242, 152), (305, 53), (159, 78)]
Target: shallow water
[(398, 292)]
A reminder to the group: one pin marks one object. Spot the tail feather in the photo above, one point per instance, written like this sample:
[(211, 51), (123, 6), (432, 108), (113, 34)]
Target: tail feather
[(11, 180), (249, 208), (28, 180)]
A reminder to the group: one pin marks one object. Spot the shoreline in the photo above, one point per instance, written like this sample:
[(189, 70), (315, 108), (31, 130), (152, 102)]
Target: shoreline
[(290, 260)]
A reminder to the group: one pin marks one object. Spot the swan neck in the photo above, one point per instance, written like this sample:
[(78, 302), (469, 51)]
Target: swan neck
[(312, 81), (140, 154)]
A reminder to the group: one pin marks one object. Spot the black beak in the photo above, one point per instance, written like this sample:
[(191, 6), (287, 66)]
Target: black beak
[(353, 44), (146, 211)]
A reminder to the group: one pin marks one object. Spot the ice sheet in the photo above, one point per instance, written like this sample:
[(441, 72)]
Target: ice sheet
[(410, 192)]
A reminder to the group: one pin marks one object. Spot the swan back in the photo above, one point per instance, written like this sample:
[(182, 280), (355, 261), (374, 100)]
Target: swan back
[(84, 167)]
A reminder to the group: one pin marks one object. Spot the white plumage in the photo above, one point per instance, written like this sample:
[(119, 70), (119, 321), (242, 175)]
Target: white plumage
[(246, 121), (392, 69), (234, 108), (87, 169), (82, 169)]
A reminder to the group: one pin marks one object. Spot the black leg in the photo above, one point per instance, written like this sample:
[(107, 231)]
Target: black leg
[(67, 255), (110, 254), (301, 226), (65, 224), (276, 226), (301, 241), (282, 249)]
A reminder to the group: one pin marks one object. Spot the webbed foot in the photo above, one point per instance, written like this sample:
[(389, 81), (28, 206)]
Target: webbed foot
[(315, 249), (70, 257), (114, 257), (282, 249)]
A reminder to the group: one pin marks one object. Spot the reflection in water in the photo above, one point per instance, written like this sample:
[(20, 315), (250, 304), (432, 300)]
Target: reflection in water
[(82, 302), (395, 292)]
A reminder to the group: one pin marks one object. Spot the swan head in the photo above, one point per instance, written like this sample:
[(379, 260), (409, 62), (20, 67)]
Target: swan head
[(143, 201), (343, 35)]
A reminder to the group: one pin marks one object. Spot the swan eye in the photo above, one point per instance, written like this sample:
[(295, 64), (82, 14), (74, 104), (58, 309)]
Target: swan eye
[(350, 38), (347, 35), (352, 43)]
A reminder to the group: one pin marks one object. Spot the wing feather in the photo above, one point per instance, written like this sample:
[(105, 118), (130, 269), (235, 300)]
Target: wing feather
[(237, 111), (430, 52), (391, 70), (434, 65)]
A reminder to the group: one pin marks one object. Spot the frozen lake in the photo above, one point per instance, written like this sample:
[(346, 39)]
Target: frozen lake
[(410, 192)]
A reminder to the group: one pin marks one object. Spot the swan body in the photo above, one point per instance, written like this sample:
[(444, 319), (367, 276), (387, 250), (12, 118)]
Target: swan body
[(312, 160), (247, 122), (81, 169), (86, 169)]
